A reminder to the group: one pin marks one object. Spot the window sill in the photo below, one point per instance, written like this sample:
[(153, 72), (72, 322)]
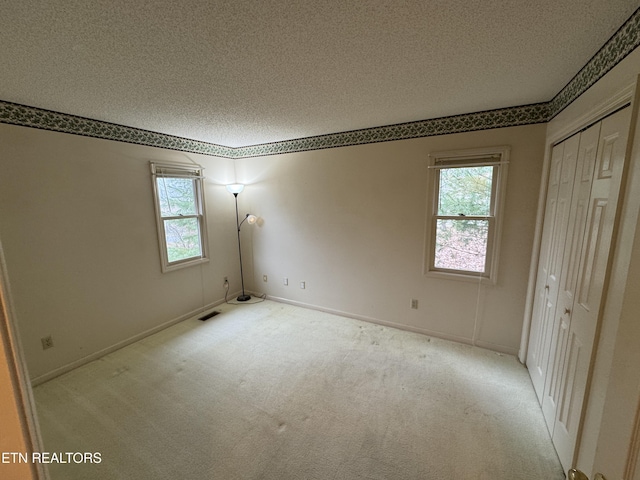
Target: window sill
[(183, 264), (461, 277)]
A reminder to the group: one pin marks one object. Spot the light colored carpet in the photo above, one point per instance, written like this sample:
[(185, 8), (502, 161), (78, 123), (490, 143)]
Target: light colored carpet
[(272, 391)]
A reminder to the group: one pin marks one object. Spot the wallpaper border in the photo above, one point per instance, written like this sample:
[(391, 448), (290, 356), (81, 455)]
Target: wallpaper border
[(622, 43), (25, 116), (504, 117)]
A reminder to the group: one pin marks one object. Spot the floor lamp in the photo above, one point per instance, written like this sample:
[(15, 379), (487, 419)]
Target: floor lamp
[(236, 188)]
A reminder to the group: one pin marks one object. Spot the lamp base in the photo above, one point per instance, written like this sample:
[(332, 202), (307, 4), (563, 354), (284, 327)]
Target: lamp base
[(243, 298)]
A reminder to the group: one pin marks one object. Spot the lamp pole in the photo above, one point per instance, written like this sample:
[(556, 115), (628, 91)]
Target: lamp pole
[(244, 297)]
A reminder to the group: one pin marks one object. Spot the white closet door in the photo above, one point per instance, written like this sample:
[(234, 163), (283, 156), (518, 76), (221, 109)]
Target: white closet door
[(582, 317), (561, 177), (587, 151), (536, 361)]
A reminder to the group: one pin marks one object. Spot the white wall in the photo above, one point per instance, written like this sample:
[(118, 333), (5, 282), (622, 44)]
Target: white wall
[(350, 222), (78, 228)]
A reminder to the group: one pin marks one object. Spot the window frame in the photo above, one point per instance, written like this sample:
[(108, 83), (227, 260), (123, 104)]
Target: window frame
[(194, 172), (497, 157)]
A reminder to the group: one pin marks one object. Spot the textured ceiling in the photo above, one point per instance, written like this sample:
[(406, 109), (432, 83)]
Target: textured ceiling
[(245, 72)]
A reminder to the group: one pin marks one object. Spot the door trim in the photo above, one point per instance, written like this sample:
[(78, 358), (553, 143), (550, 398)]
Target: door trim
[(17, 369), (633, 457)]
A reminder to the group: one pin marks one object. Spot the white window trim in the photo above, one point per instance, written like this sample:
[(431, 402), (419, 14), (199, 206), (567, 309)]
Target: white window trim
[(189, 171), (498, 156)]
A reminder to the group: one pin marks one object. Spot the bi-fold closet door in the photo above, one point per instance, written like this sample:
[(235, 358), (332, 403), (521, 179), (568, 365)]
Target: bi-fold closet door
[(580, 210)]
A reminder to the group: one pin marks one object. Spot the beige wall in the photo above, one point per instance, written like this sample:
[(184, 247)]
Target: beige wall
[(77, 223), (78, 228), (350, 222)]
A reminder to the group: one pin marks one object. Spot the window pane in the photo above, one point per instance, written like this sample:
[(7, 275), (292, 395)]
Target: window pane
[(465, 190), (183, 239), (461, 244), (177, 196)]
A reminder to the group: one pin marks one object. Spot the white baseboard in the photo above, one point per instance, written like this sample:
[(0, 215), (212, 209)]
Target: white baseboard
[(400, 326), (496, 347), (101, 353), (105, 351)]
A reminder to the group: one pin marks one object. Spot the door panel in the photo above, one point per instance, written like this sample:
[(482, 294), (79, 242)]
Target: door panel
[(550, 322), (538, 338), (585, 311), (587, 152), (563, 167)]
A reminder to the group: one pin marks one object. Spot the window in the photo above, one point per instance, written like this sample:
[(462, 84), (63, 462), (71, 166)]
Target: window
[(180, 216), (465, 207)]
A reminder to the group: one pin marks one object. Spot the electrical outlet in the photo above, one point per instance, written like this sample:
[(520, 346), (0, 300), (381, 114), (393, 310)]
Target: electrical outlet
[(414, 303), (47, 342), (225, 284), (303, 285), (264, 278), (285, 281)]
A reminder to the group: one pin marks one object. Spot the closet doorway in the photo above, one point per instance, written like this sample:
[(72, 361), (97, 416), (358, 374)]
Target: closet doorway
[(580, 212)]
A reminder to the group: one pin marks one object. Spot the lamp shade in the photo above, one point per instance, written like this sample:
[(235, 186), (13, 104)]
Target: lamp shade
[(235, 188), (251, 219)]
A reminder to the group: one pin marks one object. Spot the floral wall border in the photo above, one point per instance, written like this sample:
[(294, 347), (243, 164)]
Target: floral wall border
[(34, 117), (622, 43), (504, 117), (15, 114)]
